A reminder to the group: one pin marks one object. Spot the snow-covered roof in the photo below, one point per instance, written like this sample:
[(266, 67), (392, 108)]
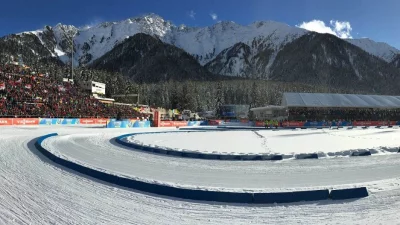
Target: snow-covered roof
[(340, 100)]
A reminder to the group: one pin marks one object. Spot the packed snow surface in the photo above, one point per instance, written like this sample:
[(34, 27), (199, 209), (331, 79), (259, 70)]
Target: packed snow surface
[(287, 142), (95, 150), (35, 191)]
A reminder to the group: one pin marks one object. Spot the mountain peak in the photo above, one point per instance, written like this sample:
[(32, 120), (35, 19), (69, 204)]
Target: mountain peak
[(65, 27), (259, 24), (153, 16), (149, 18), (225, 23)]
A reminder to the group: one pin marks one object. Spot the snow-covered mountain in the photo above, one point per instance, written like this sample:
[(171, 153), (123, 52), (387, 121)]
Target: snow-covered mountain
[(262, 50), (380, 49), (204, 43), (56, 40)]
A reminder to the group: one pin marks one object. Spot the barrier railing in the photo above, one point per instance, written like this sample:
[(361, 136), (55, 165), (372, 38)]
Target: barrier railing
[(52, 121), (102, 121), (327, 124), (196, 155)]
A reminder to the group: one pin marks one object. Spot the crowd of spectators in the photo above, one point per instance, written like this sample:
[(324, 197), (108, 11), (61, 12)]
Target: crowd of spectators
[(26, 94), (334, 114)]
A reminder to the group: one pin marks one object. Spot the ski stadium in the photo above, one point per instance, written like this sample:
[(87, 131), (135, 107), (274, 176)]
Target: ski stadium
[(90, 174), (82, 175), (324, 156)]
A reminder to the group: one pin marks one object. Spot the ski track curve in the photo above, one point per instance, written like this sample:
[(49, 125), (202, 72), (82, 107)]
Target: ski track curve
[(35, 191), (96, 151)]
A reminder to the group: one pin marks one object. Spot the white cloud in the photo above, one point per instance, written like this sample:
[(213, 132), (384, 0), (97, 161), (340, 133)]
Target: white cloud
[(214, 16), (341, 29), (94, 22), (192, 14)]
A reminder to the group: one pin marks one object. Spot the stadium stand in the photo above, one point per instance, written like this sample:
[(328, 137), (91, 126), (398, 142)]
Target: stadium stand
[(26, 94)]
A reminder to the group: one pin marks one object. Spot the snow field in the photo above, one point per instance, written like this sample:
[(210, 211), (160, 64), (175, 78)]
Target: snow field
[(325, 142), (34, 191)]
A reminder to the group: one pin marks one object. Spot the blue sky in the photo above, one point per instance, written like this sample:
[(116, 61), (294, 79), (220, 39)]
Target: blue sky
[(378, 20)]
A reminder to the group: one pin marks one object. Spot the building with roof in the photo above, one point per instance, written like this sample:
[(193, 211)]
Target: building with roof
[(271, 112), (326, 100), (326, 106), (348, 107), (234, 111)]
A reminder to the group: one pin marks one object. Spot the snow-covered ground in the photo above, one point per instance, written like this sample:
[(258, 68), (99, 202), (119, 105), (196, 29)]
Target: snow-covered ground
[(325, 142), (96, 151), (35, 191)]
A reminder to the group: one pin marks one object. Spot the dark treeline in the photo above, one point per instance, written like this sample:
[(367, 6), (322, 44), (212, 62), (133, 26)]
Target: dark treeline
[(206, 95), (201, 95)]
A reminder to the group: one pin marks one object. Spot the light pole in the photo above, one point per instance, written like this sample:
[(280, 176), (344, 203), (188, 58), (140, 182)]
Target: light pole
[(72, 50), (72, 57)]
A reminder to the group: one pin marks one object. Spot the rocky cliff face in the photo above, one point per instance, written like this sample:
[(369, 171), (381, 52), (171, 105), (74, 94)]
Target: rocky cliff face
[(396, 61)]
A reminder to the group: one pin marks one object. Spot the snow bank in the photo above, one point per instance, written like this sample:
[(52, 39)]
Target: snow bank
[(290, 143)]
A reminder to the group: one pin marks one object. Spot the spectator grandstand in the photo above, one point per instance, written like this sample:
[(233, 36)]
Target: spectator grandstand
[(26, 94), (345, 107)]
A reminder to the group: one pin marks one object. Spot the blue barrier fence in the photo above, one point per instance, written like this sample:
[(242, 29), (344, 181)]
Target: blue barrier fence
[(227, 123), (127, 124), (287, 197), (307, 156), (195, 155), (203, 195), (362, 153), (326, 124), (197, 123), (349, 193), (58, 121)]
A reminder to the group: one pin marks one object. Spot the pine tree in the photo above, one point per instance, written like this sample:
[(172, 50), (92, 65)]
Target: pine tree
[(220, 98), (255, 96)]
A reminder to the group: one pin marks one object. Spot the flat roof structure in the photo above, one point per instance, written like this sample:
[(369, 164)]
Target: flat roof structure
[(327, 100)]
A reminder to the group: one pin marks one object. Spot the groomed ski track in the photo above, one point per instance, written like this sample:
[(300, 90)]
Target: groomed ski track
[(35, 191), (95, 150)]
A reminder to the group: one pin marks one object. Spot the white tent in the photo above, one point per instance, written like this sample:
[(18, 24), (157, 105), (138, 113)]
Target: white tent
[(319, 100)]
